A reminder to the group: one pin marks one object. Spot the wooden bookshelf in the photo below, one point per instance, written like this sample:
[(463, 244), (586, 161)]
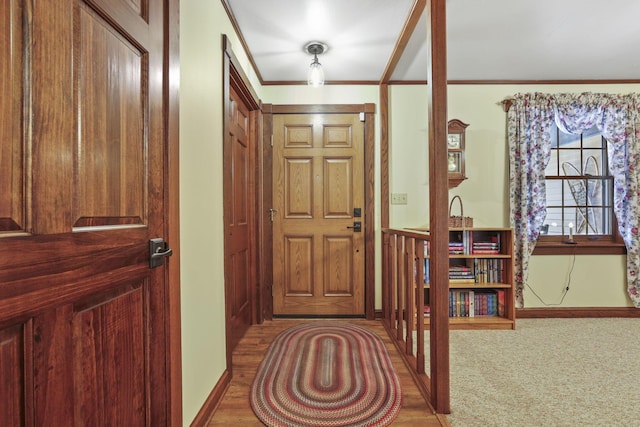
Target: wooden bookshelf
[(481, 278)]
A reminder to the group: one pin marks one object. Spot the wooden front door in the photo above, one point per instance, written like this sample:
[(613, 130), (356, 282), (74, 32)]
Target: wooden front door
[(318, 188), (83, 317)]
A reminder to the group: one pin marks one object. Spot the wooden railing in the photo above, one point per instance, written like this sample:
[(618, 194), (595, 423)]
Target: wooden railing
[(403, 253)]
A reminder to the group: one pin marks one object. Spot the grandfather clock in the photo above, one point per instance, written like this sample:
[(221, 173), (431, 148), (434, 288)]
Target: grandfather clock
[(455, 152)]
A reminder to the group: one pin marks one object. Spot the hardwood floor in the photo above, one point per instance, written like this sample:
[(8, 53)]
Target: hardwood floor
[(235, 410)]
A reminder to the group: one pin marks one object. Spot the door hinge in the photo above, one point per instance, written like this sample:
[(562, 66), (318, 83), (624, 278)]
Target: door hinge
[(362, 117), (272, 140), (271, 213)]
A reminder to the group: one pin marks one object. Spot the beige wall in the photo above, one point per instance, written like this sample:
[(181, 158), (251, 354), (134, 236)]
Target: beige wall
[(595, 280), (408, 155), (202, 23)]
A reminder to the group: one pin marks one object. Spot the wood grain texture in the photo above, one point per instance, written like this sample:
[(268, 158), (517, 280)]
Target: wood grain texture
[(87, 298), (298, 188), (438, 204), (384, 156), (12, 173), (53, 373), (52, 117), (108, 359), (317, 108), (369, 209), (369, 184), (405, 35), (12, 372), (265, 228), (112, 142), (338, 202), (241, 187), (318, 180), (172, 195), (239, 152), (234, 408)]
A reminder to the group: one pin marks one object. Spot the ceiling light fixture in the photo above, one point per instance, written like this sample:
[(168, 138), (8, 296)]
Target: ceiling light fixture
[(315, 76)]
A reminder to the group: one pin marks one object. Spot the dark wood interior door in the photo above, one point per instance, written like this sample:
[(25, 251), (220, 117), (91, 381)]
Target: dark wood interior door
[(82, 314), (240, 213)]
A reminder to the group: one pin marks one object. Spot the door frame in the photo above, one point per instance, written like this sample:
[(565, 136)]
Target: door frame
[(234, 77), (171, 95), (368, 110)]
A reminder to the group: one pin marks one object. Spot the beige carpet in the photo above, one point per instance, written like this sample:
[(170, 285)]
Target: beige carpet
[(548, 372)]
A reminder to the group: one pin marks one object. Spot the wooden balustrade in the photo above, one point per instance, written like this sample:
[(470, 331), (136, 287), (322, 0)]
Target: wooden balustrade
[(403, 308)]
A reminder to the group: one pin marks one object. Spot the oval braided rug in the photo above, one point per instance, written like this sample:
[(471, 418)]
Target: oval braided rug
[(326, 374)]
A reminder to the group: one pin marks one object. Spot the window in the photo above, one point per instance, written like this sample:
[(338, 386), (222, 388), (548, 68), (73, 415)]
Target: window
[(580, 217)]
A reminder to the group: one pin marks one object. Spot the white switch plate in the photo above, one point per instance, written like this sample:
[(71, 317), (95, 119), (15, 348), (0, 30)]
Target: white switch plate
[(399, 198)]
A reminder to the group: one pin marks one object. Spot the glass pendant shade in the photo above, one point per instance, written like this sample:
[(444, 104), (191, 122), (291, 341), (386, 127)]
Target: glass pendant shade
[(315, 77)]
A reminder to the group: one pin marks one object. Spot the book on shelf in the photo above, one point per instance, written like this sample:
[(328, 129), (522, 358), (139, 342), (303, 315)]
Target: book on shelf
[(461, 274), (486, 244), (470, 303), (487, 302), (456, 248), (464, 304), (488, 270), (486, 251), (501, 300), (470, 281), (427, 274)]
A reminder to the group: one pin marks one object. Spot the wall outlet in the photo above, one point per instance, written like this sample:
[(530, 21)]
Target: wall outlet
[(399, 198)]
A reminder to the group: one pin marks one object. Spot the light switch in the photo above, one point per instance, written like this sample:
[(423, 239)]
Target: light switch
[(399, 198)]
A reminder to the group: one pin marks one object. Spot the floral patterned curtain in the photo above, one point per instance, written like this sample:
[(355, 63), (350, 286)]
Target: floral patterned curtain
[(529, 120)]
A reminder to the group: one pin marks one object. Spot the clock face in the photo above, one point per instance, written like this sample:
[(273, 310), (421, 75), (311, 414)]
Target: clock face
[(453, 140)]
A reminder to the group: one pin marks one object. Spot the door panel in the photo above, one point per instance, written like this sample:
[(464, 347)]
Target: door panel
[(53, 367), (338, 252), (298, 279), (12, 65), (109, 373), (12, 372), (76, 291), (338, 174), (298, 188), (112, 141), (317, 182)]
